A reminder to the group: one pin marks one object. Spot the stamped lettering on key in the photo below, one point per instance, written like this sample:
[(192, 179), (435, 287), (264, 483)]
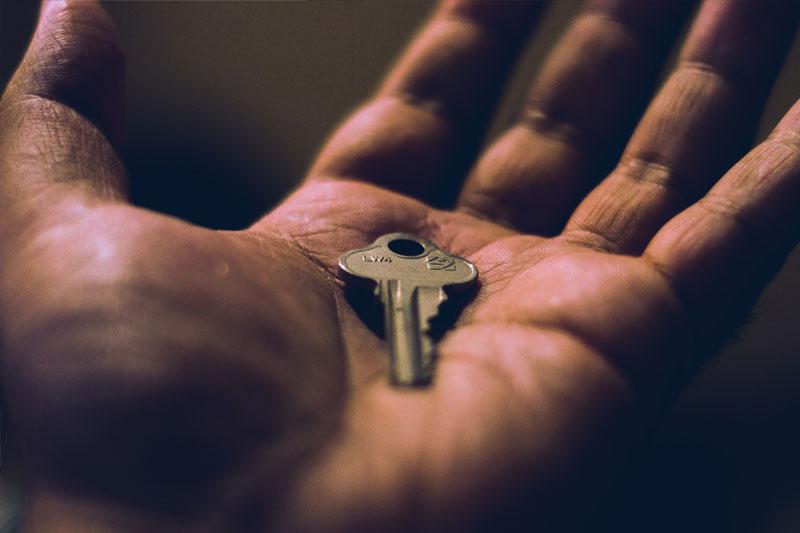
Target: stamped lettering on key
[(377, 259)]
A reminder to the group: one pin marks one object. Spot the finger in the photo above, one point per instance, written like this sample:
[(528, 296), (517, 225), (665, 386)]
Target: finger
[(580, 111), (60, 110), (702, 120), (434, 104), (721, 252)]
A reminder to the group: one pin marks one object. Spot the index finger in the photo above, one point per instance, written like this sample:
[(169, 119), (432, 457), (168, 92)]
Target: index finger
[(436, 100)]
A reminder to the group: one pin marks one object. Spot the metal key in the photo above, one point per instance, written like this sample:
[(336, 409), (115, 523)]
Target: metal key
[(411, 274)]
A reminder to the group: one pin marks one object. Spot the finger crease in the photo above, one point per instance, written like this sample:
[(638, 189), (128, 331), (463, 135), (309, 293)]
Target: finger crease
[(536, 119), (721, 207), (587, 237), (639, 170), (707, 69), (430, 106), (786, 137), (498, 35), (633, 34)]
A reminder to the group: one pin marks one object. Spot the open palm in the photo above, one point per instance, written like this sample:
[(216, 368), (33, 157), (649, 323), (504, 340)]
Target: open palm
[(166, 376)]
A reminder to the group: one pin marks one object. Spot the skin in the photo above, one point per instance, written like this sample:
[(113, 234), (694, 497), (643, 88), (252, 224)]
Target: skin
[(164, 376)]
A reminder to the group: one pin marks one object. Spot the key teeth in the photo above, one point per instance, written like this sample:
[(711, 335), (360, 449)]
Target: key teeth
[(435, 312), (428, 356)]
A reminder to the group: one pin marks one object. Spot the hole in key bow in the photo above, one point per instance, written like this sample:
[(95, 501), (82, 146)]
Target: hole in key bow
[(406, 247)]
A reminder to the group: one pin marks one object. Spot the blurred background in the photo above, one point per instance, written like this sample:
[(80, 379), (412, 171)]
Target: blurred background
[(228, 102)]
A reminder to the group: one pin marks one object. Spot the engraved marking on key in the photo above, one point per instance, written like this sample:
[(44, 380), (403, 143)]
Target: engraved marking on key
[(438, 262), (410, 278)]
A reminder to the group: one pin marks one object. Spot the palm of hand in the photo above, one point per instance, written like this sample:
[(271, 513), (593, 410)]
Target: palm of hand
[(220, 378), (226, 353)]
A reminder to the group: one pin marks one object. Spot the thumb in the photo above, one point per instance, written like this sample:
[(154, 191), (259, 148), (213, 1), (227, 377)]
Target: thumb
[(61, 115), (75, 58)]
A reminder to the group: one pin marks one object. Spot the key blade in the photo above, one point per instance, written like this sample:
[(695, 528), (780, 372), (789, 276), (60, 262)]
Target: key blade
[(406, 344)]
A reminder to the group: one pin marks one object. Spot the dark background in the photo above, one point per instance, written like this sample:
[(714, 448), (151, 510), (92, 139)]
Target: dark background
[(227, 103)]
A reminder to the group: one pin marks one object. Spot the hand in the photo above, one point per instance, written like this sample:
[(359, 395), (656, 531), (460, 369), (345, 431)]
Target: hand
[(163, 376)]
